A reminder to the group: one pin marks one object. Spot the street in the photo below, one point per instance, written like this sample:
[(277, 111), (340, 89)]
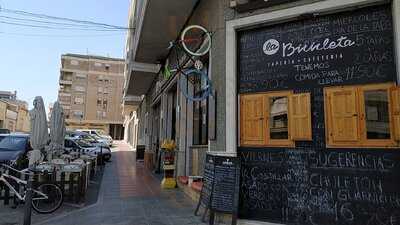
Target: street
[(129, 195)]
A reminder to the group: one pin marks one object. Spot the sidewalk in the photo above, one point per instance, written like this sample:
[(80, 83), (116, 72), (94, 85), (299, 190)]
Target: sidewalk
[(131, 195)]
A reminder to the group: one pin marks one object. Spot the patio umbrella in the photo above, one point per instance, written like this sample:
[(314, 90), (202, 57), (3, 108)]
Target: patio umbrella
[(39, 130), (57, 131)]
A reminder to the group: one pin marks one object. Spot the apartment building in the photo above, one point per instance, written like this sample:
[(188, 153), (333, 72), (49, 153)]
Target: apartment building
[(14, 115), (8, 95), (90, 92)]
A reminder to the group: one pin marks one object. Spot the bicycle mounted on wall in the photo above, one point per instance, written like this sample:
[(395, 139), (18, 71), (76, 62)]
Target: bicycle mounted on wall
[(194, 43)]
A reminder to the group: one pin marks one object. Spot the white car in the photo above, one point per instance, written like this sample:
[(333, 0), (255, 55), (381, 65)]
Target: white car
[(100, 134), (76, 144)]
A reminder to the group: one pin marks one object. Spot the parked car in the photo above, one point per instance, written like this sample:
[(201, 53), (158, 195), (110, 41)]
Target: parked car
[(98, 133), (75, 144), (92, 139), (14, 149), (4, 131)]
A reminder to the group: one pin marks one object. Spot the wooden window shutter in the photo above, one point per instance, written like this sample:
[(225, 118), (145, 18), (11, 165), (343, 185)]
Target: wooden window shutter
[(396, 112), (252, 117), (344, 115), (300, 116)]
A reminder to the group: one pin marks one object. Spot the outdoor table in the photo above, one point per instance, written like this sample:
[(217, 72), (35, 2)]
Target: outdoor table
[(93, 163), (58, 164), (66, 157), (74, 173), (85, 176), (45, 172)]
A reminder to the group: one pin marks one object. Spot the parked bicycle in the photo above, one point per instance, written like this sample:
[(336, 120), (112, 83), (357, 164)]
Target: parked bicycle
[(46, 198)]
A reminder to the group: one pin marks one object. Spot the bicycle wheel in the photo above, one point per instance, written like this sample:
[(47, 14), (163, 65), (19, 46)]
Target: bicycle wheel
[(201, 86), (196, 40), (50, 203)]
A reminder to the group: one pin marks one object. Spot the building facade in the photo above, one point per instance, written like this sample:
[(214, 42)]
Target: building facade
[(8, 95), (91, 92), (14, 116), (304, 93)]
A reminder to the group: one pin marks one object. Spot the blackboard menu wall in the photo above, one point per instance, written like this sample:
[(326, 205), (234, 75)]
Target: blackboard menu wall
[(348, 48), (311, 184)]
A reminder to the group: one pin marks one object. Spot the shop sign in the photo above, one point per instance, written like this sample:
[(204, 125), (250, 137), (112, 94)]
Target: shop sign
[(354, 47)]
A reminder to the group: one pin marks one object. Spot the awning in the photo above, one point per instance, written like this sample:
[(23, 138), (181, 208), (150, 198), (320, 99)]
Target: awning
[(157, 24)]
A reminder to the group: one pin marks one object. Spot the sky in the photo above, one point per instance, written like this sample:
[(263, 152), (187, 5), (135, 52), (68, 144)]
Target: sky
[(30, 58)]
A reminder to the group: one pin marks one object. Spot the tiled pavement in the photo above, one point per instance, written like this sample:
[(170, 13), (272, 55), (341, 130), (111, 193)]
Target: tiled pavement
[(130, 195)]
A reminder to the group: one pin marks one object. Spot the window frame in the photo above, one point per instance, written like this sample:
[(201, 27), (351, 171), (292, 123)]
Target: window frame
[(251, 142), (329, 119), (267, 142), (278, 142), (363, 141)]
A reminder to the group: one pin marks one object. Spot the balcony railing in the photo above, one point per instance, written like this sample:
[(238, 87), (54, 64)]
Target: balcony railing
[(64, 94), (66, 82)]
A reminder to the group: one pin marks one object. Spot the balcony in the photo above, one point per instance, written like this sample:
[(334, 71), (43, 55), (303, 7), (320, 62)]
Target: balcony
[(64, 94), (131, 100), (146, 47), (65, 82), (167, 18), (139, 77), (65, 106)]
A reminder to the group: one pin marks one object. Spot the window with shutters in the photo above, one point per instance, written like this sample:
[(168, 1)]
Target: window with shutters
[(343, 116), (395, 92), (274, 119), (277, 123), (361, 116), (253, 117), (300, 119)]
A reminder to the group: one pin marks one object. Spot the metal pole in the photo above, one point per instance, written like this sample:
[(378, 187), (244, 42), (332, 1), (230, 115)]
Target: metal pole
[(101, 155), (28, 201)]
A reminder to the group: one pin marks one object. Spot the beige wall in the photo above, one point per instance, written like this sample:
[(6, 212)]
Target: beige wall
[(10, 121), (14, 117), (23, 121), (92, 64), (3, 108)]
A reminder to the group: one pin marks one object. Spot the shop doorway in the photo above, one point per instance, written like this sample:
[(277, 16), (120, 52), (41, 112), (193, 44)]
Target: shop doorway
[(117, 131), (155, 136)]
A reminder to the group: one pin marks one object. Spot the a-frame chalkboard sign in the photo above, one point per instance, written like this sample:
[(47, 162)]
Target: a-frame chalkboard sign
[(220, 192)]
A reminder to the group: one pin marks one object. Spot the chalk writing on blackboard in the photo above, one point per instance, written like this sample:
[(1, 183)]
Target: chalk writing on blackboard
[(337, 49)]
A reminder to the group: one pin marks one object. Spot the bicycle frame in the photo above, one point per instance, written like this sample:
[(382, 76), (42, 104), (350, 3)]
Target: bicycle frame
[(24, 183), (19, 181)]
